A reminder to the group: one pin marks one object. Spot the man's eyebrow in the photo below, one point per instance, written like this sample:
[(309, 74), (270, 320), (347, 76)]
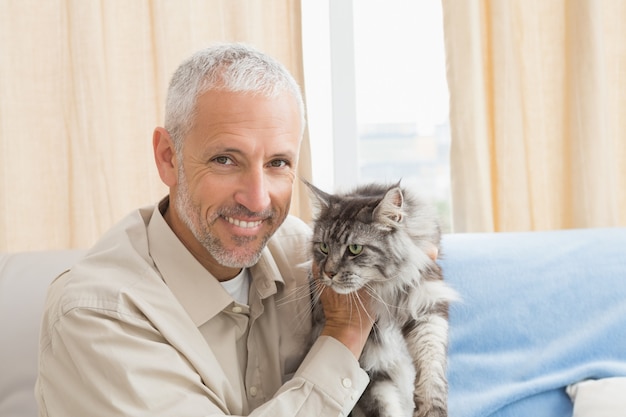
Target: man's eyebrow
[(214, 150), (284, 155), (228, 150), (209, 152)]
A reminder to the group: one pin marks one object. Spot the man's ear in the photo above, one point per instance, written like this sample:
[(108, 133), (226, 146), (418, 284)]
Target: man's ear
[(165, 156)]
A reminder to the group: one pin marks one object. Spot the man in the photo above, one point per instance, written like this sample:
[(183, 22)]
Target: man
[(198, 306)]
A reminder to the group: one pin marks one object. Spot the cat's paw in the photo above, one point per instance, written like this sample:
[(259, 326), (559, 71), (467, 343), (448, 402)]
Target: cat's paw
[(429, 410)]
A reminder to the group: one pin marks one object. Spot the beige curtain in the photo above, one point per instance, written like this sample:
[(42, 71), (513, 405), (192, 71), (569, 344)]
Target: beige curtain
[(538, 113), (82, 86)]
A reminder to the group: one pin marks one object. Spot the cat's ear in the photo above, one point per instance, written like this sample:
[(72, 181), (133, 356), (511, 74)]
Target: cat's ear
[(320, 199), (389, 211)]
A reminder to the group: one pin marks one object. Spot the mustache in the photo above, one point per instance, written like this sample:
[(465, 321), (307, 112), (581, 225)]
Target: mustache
[(239, 210)]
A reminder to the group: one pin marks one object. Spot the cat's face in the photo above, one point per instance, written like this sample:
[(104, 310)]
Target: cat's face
[(346, 267), (352, 238)]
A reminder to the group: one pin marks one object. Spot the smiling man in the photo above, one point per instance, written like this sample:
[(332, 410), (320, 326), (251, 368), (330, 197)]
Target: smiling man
[(198, 305)]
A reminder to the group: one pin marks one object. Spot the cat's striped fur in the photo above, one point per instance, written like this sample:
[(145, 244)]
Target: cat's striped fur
[(391, 232)]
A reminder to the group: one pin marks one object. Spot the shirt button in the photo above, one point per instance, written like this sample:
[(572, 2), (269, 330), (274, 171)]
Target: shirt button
[(253, 391), (237, 309), (346, 382)]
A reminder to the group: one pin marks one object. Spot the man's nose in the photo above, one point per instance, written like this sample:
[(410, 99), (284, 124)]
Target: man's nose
[(253, 192)]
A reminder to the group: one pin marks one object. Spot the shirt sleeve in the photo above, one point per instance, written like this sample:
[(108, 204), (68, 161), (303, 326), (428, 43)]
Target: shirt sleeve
[(100, 362), (329, 382)]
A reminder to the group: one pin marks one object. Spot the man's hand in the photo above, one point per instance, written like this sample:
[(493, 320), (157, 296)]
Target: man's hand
[(349, 317)]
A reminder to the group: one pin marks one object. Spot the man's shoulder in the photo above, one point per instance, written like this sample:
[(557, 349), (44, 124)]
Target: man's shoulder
[(290, 247), (292, 236), (293, 227), (118, 262)]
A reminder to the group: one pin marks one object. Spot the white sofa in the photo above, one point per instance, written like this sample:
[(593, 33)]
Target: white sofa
[(24, 278), (541, 312)]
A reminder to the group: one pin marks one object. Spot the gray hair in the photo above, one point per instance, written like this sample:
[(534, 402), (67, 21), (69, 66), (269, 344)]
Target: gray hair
[(227, 67)]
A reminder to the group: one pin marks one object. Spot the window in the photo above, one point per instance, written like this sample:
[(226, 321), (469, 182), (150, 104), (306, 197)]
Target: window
[(377, 95)]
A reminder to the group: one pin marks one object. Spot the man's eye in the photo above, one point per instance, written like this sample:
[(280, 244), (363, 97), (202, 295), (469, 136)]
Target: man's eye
[(278, 163), (223, 160)]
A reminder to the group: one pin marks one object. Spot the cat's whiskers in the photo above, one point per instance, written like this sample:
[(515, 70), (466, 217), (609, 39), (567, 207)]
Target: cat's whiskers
[(295, 294), (376, 278), (316, 292), (372, 293), (312, 292), (376, 296), (354, 297)]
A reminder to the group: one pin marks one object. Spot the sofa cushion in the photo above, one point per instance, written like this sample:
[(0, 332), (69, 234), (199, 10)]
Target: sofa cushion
[(24, 279)]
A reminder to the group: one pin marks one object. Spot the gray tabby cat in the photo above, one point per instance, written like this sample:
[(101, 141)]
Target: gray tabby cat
[(379, 237)]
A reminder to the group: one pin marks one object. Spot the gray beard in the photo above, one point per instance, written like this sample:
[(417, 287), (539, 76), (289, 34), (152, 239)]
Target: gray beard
[(191, 217)]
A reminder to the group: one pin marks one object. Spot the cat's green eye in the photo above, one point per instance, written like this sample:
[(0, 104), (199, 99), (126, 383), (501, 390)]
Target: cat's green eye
[(324, 247), (355, 249)]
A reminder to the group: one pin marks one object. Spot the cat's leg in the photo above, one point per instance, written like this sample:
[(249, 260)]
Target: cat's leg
[(427, 340), (389, 365), (385, 398)]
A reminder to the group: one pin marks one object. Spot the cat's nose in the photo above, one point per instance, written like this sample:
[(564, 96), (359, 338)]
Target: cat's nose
[(330, 274)]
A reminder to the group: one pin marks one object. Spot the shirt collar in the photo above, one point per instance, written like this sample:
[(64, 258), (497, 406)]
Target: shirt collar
[(198, 291), (265, 275)]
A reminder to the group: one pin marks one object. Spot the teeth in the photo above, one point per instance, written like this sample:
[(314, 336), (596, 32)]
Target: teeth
[(243, 224)]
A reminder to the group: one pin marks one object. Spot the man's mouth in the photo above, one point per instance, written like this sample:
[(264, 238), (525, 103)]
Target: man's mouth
[(242, 223)]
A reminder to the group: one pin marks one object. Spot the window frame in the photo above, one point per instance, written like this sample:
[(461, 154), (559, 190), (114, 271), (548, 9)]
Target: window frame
[(329, 73)]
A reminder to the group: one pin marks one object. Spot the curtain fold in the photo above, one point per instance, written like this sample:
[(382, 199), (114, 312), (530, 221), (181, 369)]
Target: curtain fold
[(537, 97), (83, 85)]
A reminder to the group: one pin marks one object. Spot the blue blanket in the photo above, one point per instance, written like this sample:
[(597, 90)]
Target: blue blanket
[(540, 310)]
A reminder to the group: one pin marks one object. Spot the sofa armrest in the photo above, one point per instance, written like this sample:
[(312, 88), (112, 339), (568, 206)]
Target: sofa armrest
[(24, 279)]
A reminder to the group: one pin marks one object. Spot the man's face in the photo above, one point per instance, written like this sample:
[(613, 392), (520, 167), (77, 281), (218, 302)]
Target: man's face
[(236, 177)]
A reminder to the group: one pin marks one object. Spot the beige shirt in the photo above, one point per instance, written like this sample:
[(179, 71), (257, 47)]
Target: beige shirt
[(140, 328)]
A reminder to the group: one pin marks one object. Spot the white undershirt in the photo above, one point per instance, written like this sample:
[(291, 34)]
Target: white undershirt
[(238, 287)]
